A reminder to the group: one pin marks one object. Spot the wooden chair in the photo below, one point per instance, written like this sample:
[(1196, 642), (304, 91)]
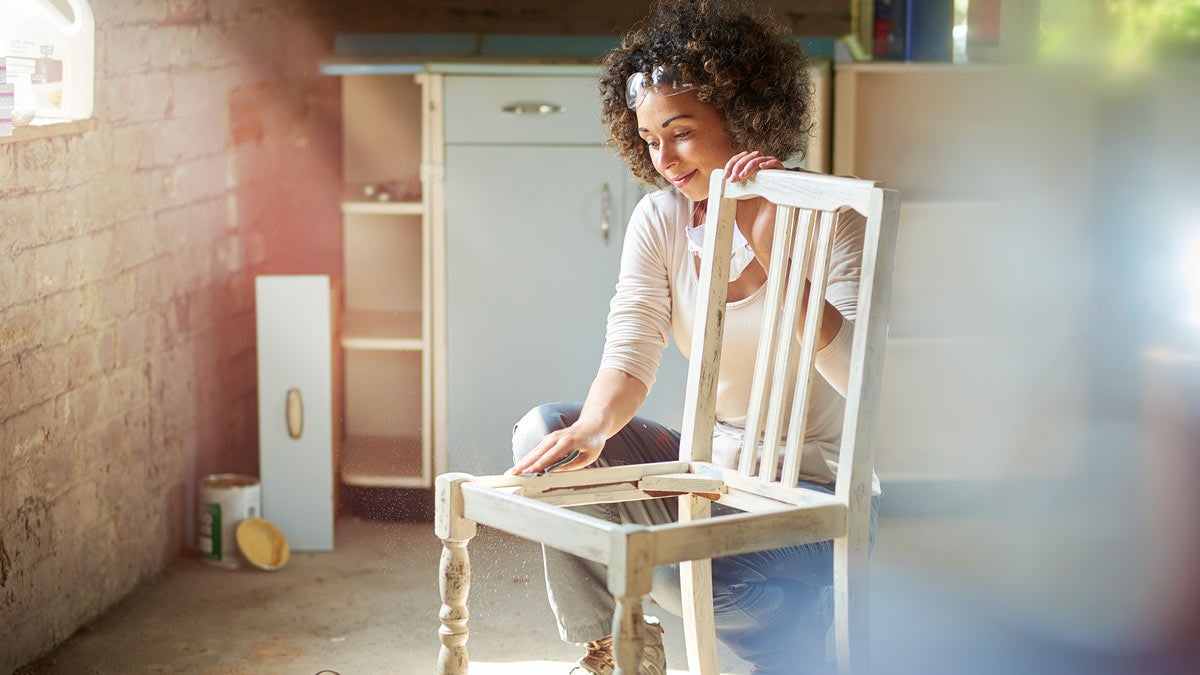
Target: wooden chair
[(776, 513)]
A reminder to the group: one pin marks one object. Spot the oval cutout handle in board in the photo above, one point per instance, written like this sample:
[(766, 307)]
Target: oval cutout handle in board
[(295, 413)]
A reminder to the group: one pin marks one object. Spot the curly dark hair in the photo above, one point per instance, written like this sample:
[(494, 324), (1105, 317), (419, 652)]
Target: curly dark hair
[(739, 59)]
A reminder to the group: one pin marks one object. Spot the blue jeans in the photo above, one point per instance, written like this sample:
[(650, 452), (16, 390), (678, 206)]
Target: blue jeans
[(772, 608)]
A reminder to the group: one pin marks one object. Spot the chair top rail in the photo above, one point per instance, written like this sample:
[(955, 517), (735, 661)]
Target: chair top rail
[(804, 190)]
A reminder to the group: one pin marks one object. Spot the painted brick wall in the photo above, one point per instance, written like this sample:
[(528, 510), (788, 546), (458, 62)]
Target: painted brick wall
[(128, 248)]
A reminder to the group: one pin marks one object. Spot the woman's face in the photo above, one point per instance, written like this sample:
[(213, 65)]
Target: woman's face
[(686, 139)]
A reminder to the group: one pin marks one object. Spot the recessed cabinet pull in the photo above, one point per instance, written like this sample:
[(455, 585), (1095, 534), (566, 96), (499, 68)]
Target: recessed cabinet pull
[(533, 109), (295, 413), (605, 207)]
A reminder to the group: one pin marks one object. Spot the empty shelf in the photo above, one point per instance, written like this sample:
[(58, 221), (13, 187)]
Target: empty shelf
[(383, 208), (396, 331), (383, 461)]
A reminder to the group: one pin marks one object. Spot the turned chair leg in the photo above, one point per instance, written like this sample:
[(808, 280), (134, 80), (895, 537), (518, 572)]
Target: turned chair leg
[(455, 583), (454, 573)]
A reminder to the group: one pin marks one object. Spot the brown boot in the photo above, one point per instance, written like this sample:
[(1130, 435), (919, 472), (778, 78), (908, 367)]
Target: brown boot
[(599, 658)]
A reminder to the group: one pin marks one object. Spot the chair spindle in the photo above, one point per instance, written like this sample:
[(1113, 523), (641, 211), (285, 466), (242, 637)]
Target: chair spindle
[(812, 329), (785, 233)]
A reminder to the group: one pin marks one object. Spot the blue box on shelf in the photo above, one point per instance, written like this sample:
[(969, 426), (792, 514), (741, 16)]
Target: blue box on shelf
[(913, 30)]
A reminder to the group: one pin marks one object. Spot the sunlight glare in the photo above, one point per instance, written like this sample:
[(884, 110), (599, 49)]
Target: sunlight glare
[(1191, 270)]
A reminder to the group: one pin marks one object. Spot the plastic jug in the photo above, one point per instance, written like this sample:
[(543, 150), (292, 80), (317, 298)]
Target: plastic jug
[(49, 48)]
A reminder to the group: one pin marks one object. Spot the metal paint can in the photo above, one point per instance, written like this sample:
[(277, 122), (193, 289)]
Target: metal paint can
[(225, 499)]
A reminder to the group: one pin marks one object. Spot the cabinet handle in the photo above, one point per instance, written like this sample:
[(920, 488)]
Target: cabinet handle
[(295, 413), (533, 109), (605, 207)]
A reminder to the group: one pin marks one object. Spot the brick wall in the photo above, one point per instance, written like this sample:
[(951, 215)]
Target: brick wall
[(128, 247)]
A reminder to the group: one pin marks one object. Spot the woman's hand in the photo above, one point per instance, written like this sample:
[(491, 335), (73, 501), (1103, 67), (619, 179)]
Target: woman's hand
[(755, 217), (558, 445), (745, 164), (611, 402)]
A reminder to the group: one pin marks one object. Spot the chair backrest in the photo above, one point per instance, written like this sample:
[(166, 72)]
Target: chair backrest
[(807, 210)]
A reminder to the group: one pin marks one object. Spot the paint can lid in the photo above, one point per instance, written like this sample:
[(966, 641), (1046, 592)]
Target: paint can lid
[(228, 481), (262, 544)]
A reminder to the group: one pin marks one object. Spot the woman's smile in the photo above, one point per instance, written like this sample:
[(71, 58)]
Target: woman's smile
[(683, 180)]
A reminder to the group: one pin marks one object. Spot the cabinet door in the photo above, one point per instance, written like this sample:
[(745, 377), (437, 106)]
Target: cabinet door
[(529, 275), (294, 360)]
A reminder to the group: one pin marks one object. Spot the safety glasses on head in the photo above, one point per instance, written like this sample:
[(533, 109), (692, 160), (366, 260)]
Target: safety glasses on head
[(665, 81)]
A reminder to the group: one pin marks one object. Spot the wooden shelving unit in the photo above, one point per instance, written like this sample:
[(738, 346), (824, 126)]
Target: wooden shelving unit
[(385, 323)]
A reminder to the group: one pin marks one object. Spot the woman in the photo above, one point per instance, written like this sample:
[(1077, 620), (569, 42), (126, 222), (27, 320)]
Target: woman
[(702, 85)]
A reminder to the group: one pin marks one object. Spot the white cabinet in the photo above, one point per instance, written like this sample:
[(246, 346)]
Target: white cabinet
[(529, 265)]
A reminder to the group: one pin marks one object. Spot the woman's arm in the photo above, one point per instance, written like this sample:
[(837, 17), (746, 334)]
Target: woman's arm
[(612, 400)]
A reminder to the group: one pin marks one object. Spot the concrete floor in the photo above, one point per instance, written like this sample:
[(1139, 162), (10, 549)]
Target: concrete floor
[(371, 607)]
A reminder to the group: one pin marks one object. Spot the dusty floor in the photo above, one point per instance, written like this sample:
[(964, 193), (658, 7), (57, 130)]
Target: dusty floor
[(370, 607)]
